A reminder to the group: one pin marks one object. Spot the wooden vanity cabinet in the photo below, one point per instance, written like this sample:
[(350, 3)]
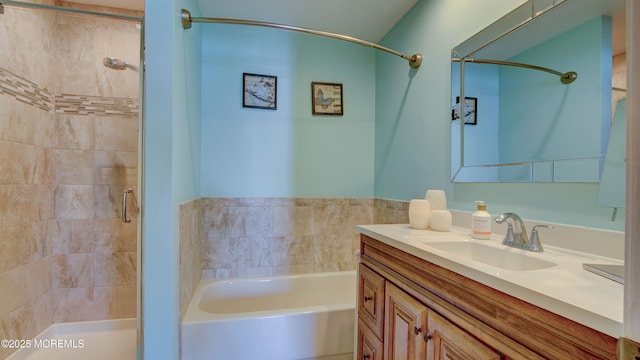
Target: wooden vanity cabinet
[(447, 341), (406, 320), (409, 308), (369, 346), (371, 287), (413, 331), (371, 300)]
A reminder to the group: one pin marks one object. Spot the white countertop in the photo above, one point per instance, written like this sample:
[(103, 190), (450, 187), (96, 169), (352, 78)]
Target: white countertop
[(565, 289)]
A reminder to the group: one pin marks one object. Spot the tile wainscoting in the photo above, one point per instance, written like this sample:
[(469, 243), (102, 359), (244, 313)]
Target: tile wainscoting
[(244, 237)]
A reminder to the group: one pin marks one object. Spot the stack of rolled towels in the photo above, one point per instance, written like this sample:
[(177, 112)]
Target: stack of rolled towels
[(430, 212)]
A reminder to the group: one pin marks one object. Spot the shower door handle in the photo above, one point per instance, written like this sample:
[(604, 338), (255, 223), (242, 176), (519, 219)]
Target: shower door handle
[(125, 196)]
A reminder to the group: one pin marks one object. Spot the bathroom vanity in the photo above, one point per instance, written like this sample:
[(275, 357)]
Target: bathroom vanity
[(430, 295)]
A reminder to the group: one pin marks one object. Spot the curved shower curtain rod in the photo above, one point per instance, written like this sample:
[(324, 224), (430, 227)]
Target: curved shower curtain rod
[(565, 78), (414, 60)]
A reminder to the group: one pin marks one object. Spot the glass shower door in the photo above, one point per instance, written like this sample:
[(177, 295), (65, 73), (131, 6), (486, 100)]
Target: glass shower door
[(69, 135)]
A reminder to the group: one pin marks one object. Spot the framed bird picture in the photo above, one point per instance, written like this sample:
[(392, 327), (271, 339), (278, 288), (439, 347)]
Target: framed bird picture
[(326, 99)]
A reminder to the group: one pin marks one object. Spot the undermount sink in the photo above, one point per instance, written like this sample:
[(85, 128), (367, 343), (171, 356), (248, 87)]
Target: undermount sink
[(505, 258)]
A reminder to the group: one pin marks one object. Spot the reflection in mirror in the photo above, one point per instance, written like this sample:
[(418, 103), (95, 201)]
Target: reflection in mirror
[(612, 189), (531, 127), (611, 192)]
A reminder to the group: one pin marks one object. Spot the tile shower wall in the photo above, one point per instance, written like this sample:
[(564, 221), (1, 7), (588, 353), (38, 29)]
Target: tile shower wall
[(68, 147), (26, 214), (27, 128)]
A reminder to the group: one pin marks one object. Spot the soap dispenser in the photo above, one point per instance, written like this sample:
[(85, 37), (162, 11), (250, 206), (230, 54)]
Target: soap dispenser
[(481, 222)]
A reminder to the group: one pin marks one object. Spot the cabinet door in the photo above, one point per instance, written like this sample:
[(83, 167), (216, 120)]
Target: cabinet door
[(406, 321), (369, 346), (446, 341), (371, 299)]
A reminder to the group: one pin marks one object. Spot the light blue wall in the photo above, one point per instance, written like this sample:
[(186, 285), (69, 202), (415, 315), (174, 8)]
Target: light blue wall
[(413, 116), (413, 107), (170, 166), (287, 152)]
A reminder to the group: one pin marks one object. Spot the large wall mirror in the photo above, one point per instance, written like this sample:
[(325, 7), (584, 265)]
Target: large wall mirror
[(537, 89)]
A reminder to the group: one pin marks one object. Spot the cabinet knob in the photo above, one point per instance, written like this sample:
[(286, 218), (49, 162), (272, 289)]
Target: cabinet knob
[(367, 298), (427, 337), (417, 330), (365, 356)]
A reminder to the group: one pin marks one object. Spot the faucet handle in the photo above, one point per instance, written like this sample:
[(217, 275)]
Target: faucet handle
[(508, 236), (535, 239)]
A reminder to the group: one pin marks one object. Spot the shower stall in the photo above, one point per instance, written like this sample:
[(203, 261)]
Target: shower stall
[(69, 138)]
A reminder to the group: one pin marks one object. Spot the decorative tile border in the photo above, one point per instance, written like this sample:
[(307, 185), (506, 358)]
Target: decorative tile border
[(25, 91), (96, 105), (31, 93)]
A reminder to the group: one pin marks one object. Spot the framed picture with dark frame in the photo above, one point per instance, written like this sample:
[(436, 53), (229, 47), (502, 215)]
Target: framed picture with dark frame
[(326, 99), (470, 110), (259, 91)]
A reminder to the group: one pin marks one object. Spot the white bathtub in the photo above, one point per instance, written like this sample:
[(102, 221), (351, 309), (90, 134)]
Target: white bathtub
[(273, 318)]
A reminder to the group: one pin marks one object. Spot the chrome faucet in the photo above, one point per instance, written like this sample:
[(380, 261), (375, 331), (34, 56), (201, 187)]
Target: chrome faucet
[(516, 235), (535, 239)]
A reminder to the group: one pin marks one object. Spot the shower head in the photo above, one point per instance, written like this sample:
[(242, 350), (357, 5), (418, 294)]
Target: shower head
[(117, 64)]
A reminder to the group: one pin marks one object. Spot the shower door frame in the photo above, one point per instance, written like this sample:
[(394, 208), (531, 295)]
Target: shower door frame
[(140, 200)]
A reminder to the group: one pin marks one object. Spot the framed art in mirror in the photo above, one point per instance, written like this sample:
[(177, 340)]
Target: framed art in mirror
[(470, 110)]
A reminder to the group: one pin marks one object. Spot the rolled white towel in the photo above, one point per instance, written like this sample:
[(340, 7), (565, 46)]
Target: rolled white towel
[(437, 199), (419, 214), (440, 220)]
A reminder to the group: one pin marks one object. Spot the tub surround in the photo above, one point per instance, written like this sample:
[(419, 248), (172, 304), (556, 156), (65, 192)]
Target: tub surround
[(246, 237), (190, 251), (565, 289), (273, 236)]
